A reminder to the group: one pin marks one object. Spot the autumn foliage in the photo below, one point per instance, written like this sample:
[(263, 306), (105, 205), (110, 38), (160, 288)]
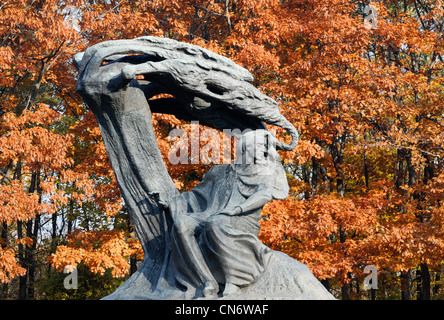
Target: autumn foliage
[(99, 250), (367, 178)]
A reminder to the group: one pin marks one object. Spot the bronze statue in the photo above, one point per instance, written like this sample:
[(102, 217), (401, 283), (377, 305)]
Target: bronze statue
[(202, 243)]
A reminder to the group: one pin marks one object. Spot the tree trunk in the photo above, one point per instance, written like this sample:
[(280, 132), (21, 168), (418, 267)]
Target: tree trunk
[(437, 286), (345, 292), (345, 289), (54, 232), (423, 282), (366, 173), (31, 256), (4, 235), (22, 293), (337, 151), (32, 230), (326, 284), (410, 168), (306, 178), (3, 244), (400, 179), (373, 294), (406, 279), (314, 176), (69, 216)]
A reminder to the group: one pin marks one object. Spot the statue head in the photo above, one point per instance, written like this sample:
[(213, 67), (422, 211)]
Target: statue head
[(256, 147)]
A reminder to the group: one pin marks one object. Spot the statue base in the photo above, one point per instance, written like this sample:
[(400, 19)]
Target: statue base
[(284, 279)]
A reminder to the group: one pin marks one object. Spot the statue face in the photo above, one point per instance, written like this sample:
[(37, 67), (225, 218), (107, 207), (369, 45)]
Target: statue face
[(256, 147)]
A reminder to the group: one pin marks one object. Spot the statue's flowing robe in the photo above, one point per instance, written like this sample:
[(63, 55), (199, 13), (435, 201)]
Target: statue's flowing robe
[(230, 243)]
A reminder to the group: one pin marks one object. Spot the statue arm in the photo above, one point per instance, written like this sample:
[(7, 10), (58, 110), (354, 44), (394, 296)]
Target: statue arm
[(278, 189), (255, 201)]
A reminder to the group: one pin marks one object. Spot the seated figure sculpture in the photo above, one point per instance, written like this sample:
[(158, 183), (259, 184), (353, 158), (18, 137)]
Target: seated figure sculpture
[(203, 242), (216, 225)]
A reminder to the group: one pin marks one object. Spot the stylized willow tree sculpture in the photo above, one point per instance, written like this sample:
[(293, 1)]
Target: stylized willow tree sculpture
[(206, 87)]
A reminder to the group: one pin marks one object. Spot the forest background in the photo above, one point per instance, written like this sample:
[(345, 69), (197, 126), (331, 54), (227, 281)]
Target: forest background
[(367, 178)]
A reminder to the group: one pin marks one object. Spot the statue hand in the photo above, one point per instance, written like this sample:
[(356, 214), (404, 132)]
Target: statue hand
[(156, 195), (164, 204)]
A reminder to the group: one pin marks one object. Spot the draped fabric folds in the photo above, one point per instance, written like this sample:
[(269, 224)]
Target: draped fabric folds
[(229, 243)]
